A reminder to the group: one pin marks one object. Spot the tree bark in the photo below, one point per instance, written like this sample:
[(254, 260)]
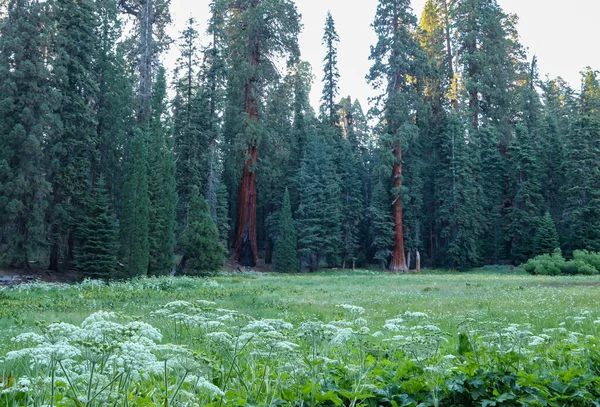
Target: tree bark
[(398, 262)]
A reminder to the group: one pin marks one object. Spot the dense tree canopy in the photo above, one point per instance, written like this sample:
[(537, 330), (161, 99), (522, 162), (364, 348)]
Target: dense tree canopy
[(115, 165)]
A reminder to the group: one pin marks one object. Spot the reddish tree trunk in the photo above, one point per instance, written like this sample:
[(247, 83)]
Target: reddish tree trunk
[(246, 247), (398, 257)]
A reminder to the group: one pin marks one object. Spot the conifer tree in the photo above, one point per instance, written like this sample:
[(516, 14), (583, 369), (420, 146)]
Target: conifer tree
[(188, 121), (151, 17), (135, 208), (161, 183), (394, 59), (546, 238), (458, 213), (24, 123), (382, 223), (96, 256), (72, 149), (203, 253), (319, 216), (351, 186), (582, 170), (114, 101), (331, 74), (275, 27), (285, 257)]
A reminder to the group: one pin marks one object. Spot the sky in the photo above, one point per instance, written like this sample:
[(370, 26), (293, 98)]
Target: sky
[(561, 34)]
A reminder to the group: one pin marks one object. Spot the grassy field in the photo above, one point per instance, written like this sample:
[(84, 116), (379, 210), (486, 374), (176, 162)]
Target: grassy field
[(382, 320)]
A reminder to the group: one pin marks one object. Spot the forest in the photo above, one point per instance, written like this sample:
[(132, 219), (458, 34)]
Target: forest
[(117, 166)]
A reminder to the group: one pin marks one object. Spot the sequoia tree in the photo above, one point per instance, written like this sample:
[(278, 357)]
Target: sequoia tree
[(259, 31), (393, 67)]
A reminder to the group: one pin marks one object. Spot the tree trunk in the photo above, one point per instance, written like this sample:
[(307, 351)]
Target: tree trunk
[(246, 247), (398, 262), (418, 264)]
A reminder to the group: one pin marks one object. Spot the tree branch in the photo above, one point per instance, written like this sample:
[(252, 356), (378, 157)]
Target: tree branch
[(128, 8)]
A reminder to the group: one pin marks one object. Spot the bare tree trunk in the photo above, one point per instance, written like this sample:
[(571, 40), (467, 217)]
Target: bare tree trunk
[(398, 262), (418, 265), (246, 247)]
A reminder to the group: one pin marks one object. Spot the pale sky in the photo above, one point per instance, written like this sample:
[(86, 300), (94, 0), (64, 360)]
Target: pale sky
[(562, 35)]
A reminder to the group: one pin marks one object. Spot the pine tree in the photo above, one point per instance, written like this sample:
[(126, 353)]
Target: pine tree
[(582, 170), (331, 74), (276, 24), (546, 238), (203, 253), (285, 257), (491, 59), (151, 19), (458, 212), (319, 217), (351, 187), (72, 149), (96, 256), (161, 183), (135, 208), (24, 123), (394, 63), (188, 120), (382, 223), (114, 100)]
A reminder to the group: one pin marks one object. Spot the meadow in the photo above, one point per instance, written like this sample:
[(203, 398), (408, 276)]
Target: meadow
[(484, 338)]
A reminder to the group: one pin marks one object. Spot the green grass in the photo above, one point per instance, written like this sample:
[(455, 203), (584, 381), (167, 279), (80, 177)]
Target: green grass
[(449, 298), (487, 337)]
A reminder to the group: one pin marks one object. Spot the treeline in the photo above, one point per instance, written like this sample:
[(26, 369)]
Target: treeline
[(466, 156)]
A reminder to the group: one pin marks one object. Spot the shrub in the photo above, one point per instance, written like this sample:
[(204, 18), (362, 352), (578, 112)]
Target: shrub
[(589, 259), (546, 264)]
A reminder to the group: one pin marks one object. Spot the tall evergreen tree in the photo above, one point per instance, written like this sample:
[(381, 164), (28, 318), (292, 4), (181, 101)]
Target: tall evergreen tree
[(72, 149), (96, 256), (351, 187), (319, 216), (331, 74), (285, 257), (393, 67), (275, 25), (24, 123), (582, 170), (151, 18), (188, 121), (161, 183), (135, 208), (458, 214)]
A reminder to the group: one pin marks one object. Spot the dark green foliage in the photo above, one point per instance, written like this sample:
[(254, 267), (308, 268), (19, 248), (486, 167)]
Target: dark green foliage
[(382, 223), (203, 253), (351, 186), (547, 237), (584, 263), (319, 217), (96, 256), (285, 256), (72, 147), (135, 208), (546, 264), (24, 122), (331, 74), (458, 215), (582, 171), (161, 183)]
